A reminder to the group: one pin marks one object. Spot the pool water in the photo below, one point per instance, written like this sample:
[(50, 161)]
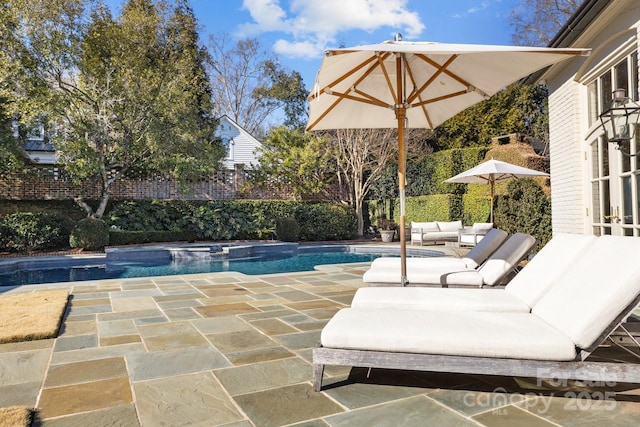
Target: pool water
[(267, 264)]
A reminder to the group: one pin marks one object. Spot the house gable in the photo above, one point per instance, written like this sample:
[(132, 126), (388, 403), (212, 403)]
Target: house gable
[(242, 147)]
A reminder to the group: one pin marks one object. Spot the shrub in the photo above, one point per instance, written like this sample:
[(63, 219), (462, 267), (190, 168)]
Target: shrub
[(26, 231), (90, 234), (124, 237), (287, 229), (525, 209)]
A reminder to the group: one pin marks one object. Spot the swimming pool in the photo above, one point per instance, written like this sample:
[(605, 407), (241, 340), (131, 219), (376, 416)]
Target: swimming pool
[(146, 262)]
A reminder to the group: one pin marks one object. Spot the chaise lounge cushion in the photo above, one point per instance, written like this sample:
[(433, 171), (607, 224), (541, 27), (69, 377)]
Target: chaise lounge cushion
[(452, 299), (598, 288), (522, 292), (476, 256), (479, 334), (544, 269)]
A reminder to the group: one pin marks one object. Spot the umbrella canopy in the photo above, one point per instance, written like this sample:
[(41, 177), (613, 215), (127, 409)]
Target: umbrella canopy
[(401, 85), (491, 172)]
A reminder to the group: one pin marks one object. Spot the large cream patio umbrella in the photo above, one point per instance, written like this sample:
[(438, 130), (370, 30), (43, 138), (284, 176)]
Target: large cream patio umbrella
[(491, 172), (399, 84)]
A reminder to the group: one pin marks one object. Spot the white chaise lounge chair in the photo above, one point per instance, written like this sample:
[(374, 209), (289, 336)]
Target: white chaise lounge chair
[(472, 259), (503, 261), (565, 325), (520, 294)]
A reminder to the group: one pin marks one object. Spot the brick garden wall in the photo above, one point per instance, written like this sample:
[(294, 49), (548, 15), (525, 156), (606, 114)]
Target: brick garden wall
[(49, 183)]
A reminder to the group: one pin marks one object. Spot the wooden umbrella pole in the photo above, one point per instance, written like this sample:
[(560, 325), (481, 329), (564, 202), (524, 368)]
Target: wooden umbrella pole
[(401, 114)]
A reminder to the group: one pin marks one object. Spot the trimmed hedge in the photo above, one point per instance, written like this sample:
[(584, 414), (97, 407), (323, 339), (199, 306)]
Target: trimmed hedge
[(242, 219), (28, 231)]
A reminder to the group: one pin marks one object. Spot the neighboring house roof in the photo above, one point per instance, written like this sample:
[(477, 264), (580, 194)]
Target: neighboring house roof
[(40, 152), (242, 147)]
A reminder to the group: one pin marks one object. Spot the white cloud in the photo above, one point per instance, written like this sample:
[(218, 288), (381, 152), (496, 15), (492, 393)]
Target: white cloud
[(314, 24)]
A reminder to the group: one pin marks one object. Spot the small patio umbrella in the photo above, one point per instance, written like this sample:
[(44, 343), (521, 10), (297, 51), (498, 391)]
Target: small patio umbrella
[(401, 85), (491, 172)]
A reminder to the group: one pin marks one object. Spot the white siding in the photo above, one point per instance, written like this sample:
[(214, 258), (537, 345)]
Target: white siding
[(566, 152), (242, 147)]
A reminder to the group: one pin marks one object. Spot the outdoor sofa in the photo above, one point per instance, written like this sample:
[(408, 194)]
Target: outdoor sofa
[(492, 272), (581, 308), (435, 232)]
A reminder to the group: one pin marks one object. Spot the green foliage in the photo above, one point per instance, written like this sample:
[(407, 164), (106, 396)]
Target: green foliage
[(518, 108), (242, 219), (287, 229), (475, 208), (525, 209), (90, 234), (324, 221), (27, 231), (125, 94), (124, 237), (299, 161)]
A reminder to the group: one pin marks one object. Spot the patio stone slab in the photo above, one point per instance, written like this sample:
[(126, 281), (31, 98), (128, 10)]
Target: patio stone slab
[(120, 339), (139, 314), (174, 362), (173, 341), (234, 342), (262, 376), (23, 394), (261, 355), (414, 411), (24, 366), (584, 408), (83, 302), (471, 402), (193, 400), (133, 304), (75, 398), (273, 326), (217, 325), (76, 343), (225, 309), (299, 340), (88, 371), (296, 296), (26, 345), (287, 405), (97, 353), (121, 416), (177, 314), (86, 327), (510, 416), (117, 327)]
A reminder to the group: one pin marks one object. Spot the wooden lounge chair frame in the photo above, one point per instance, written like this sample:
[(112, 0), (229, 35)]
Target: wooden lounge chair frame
[(579, 369)]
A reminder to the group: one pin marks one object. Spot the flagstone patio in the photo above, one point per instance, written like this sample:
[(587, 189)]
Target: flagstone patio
[(226, 349)]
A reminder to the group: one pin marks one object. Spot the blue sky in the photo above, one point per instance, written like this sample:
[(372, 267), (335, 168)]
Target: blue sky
[(298, 31)]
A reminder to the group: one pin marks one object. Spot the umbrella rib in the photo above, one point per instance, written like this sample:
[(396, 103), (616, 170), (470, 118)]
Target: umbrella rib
[(422, 107), (351, 72), (440, 69), (439, 98)]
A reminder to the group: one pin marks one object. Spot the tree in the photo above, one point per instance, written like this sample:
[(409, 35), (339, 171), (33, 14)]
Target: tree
[(126, 94), (249, 85), (536, 22), (518, 108), (301, 162), (364, 158)]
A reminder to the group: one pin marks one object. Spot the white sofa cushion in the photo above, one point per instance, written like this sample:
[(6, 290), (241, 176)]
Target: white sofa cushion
[(590, 295), (544, 269), (482, 226), (440, 275), (479, 334), (449, 226), (420, 262), (453, 299), (425, 226)]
